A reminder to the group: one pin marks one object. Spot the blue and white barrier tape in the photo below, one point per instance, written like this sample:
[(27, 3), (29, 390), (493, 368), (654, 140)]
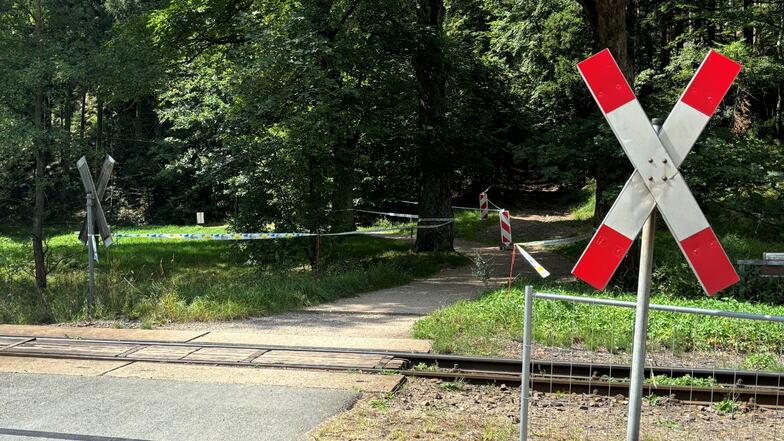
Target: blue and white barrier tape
[(553, 242), (223, 236), (266, 236), (403, 215)]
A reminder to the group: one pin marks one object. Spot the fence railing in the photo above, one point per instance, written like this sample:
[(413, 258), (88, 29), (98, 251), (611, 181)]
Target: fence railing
[(715, 371)]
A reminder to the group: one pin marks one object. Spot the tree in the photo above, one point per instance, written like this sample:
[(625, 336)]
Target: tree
[(433, 156)]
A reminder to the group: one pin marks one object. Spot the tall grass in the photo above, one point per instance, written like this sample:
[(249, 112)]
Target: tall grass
[(484, 326), (178, 280), (584, 209)]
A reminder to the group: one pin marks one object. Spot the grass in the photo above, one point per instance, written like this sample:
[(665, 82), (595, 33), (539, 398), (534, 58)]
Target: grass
[(470, 226), (584, 210), (764, 361), (486, 325), (159, 280)]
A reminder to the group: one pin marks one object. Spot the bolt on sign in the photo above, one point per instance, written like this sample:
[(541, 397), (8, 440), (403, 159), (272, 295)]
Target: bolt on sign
[(656, 181)]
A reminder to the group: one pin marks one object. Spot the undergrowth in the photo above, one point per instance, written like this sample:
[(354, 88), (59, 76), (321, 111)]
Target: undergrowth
[(157, 280)]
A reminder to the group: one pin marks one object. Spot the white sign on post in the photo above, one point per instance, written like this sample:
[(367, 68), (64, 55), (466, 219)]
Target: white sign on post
[(200, 217), (656, 181), (97, 194)]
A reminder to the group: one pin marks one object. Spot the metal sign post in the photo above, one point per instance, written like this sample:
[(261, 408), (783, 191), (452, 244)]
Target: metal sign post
[(90, 256), (641, 316), (94, 214), (656, 153)]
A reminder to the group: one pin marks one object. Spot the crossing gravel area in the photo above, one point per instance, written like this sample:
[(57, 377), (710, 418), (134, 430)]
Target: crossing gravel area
[(64, 407)]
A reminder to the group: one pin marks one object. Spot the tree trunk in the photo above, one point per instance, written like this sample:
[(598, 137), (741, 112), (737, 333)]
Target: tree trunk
[(608, 20), (83, 115), (68, 110), (748, 31), (39, 208), (711, 32), (99, 121), (435, 199), (343, 193)]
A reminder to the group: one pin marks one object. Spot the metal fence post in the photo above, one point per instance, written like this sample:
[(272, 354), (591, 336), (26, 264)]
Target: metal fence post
[(524, 379), (641, 320), (90, 257)]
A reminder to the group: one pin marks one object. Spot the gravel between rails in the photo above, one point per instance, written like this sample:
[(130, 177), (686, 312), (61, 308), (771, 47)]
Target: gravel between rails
[(431, 410)]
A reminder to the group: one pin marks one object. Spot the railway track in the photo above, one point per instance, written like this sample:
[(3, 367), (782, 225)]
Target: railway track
[(764, 388)]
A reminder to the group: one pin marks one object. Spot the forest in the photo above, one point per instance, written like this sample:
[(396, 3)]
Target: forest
[(286, 114)]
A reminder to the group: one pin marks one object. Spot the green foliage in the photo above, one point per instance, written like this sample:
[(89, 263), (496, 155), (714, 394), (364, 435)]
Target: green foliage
[(685, 380), (484, 326), (672, 275), (763, 361), (651, 400), (666, 422), (470, 226), (452, 386), (163, 280), (728, 405), (585, 209), (379, 404), (282, 113)]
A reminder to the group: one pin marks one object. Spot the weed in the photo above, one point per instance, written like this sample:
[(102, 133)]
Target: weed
[(451, 386), (765, 361), (686, 380), (379, 404), (497, 430), (651, 400), (426, 367), (146, 324), (666, 422), (482, 268), (608, 379), (727, 405), (118, 325)]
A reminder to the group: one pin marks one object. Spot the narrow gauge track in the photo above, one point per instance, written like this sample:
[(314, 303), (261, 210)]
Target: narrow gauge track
[(764, 388)]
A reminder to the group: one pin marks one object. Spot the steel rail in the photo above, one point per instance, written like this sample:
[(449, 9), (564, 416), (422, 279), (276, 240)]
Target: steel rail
[(454, 362), (764, 387)]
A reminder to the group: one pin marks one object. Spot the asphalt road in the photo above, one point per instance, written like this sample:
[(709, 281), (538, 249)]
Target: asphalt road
[(63, 407)]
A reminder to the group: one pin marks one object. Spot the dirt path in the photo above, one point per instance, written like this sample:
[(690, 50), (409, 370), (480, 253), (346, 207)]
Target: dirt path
[(391, 312)]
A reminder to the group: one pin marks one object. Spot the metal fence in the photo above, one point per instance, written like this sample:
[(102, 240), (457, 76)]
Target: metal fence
[(709, 374)]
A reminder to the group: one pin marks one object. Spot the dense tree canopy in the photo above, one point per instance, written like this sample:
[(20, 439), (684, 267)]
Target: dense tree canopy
[(286, 113)]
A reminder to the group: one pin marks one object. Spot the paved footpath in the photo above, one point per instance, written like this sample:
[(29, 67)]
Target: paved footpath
[(391, 312), (55, 407)]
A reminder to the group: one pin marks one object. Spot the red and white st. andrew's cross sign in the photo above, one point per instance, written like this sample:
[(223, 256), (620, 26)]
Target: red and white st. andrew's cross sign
[(656, 181)]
